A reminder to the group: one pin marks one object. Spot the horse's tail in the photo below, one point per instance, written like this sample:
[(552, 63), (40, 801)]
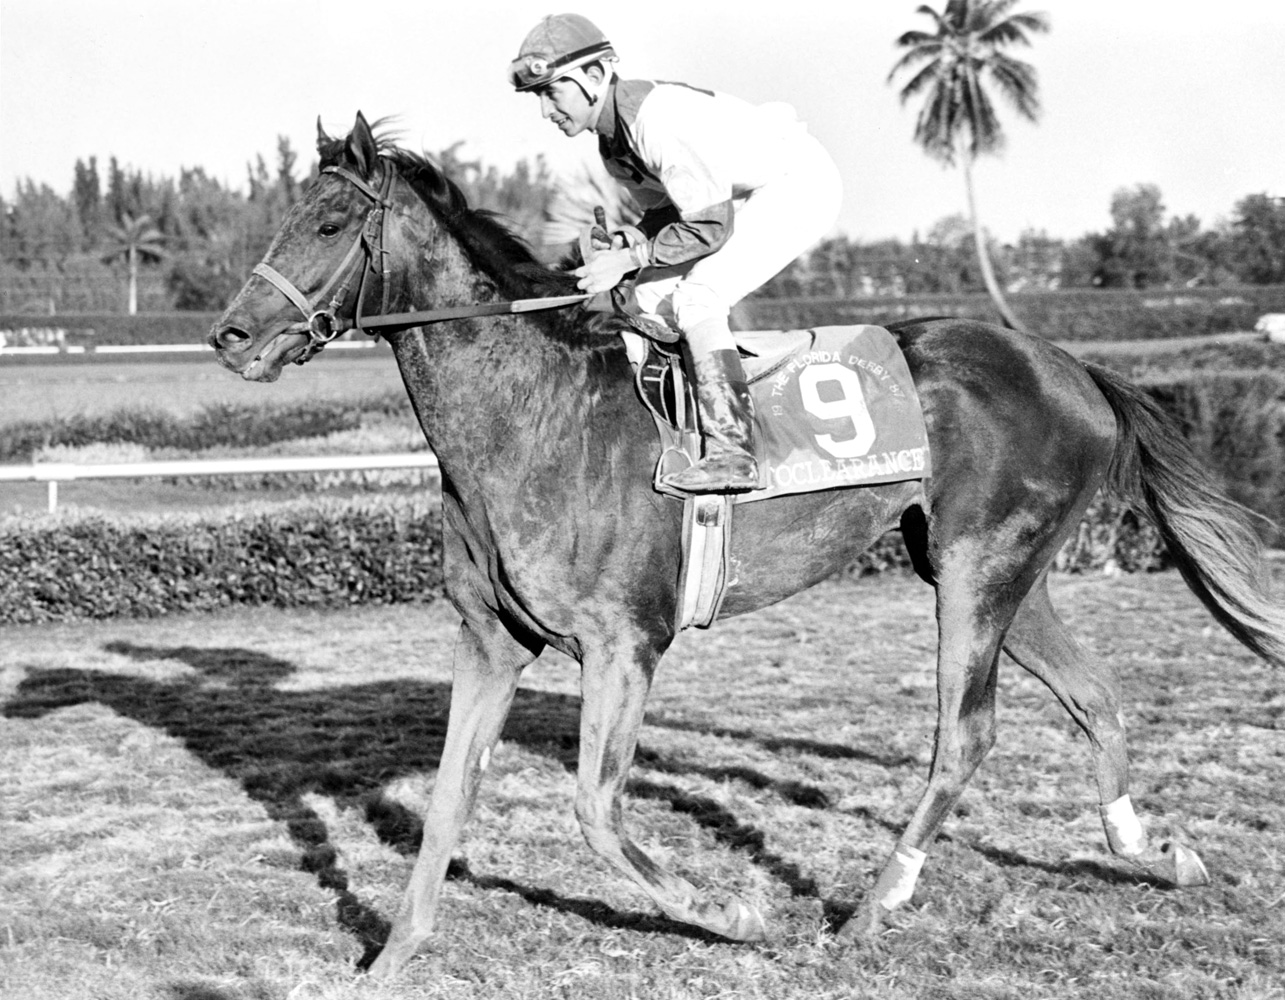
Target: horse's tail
[(1209, 536)]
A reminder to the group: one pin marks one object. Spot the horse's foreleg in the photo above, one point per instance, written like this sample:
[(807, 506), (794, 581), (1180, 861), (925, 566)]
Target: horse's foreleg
[(488, 662), (967, 653), (614, 690), (1089, 689)]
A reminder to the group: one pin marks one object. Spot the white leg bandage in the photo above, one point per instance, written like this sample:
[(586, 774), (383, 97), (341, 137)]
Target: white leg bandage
[(1124, 831), (897, 881)]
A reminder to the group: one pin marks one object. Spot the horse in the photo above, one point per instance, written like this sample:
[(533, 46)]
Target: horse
[(553, 535)]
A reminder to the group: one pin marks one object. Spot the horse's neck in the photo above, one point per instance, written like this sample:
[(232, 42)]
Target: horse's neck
[(496, 396)]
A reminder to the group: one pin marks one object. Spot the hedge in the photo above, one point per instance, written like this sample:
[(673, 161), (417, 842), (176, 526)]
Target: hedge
[(218, 425), (1069, 314), (309, 553), (1235, 422), (1111, 538), (92, 329), (1072, 314), (327, 554)]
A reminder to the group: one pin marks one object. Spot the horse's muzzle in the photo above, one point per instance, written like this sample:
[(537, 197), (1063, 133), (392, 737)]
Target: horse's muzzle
[(228, 338)]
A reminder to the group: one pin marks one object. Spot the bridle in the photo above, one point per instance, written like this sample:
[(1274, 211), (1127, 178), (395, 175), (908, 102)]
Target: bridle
[(322, 323)]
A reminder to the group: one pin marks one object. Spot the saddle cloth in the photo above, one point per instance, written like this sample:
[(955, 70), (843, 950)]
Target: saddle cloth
[(834, 406)]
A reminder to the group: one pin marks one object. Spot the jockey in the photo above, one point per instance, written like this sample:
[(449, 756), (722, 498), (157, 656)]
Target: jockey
[(731, 194)]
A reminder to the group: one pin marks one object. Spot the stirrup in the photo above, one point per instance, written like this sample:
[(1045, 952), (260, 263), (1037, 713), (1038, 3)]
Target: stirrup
[(730, 473)]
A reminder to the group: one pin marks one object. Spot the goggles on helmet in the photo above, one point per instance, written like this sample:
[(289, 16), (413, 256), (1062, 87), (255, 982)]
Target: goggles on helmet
[(533, 70)]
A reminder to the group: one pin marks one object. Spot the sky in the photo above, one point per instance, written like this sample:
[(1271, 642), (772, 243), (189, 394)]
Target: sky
[(1184, 95)]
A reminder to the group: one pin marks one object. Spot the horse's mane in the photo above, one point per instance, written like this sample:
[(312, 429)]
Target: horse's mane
[(485, 236)]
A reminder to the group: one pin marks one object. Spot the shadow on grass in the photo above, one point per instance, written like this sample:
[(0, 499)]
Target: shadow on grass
[(1074, 869), (350, 742)]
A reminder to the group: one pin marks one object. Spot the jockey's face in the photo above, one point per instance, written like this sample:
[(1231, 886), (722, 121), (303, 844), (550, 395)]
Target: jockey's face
[(566, 103)]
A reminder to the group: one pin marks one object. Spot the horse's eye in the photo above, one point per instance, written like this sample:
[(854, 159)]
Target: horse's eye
[(328, 229)]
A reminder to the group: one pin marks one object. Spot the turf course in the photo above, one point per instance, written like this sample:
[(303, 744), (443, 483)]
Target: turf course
[(221, 807)]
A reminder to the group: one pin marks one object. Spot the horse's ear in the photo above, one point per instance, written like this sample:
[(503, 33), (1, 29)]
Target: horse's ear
[(323, 140), (361, 145)]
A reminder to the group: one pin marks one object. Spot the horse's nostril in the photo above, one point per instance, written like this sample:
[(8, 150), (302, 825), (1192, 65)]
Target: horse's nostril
[(230, 337)]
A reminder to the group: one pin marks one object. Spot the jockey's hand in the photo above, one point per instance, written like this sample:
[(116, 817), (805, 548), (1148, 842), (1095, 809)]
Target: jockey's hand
[(598, 239), (605, 270)]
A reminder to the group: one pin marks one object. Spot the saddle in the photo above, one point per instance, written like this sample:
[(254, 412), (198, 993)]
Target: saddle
[(834, 407), (669, 396)]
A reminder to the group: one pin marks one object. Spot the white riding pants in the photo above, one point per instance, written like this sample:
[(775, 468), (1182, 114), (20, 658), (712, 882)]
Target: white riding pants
[(774, 224)]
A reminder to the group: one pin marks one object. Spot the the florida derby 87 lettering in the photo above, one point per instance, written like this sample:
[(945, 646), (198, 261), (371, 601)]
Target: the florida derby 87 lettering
[(840, 412)]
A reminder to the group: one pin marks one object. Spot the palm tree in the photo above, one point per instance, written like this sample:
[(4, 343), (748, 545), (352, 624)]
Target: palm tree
[(135, 239), (952, 67)]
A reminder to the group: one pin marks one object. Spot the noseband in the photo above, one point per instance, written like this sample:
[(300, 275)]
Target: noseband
[(322, 323)]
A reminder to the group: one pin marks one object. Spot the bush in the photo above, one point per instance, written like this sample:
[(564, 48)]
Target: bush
[(331, 554), (1241, 355), (1111, 538), (1235, 422), (92, 329), (309, 553), (218, 425), (1073, 314)]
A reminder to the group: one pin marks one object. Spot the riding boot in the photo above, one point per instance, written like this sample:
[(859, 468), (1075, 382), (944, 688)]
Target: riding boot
[(725, 413)]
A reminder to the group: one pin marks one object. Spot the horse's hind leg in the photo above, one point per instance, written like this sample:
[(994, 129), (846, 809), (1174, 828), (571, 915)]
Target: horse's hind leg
[(488, 663), (971, 621), (615, 683), (1089, 689)]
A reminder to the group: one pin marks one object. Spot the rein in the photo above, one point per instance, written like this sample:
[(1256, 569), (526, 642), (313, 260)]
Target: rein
[(322, 323)]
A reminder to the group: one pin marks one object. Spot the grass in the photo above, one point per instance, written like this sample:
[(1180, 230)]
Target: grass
[(218, 808), (63, 389), (181, 385)]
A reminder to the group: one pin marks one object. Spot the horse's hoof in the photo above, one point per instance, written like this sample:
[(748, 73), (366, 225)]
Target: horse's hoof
[(390, 961), (1180, 866), (863, 926), (1186, 868), (743, 922)]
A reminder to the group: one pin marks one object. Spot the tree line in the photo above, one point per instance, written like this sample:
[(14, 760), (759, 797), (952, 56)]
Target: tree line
[(122, 239), (193, 239), (196, 238), (1143, 248)]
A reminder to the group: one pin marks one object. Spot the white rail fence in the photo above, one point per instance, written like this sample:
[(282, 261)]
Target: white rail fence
[(32, 350), (54, 473)]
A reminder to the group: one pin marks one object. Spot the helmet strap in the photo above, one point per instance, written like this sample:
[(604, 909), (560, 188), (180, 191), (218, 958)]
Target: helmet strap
[(581, 80)]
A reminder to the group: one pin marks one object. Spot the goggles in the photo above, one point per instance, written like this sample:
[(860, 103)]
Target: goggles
[(527, 72)]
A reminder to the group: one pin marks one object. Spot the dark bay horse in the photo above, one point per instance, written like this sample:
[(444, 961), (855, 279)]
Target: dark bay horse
[(553, 535)]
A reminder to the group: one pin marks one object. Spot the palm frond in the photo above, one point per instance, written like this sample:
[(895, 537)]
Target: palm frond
[(1037, 22), (912, 59), (913, 39), (927, 11), (1014, 31), (1019, 84), (919, 81)]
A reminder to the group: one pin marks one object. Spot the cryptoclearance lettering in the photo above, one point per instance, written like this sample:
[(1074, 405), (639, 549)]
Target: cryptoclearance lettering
[(820, 472)]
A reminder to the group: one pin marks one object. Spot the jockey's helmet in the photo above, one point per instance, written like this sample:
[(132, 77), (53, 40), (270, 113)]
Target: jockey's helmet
[(556, 47)]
